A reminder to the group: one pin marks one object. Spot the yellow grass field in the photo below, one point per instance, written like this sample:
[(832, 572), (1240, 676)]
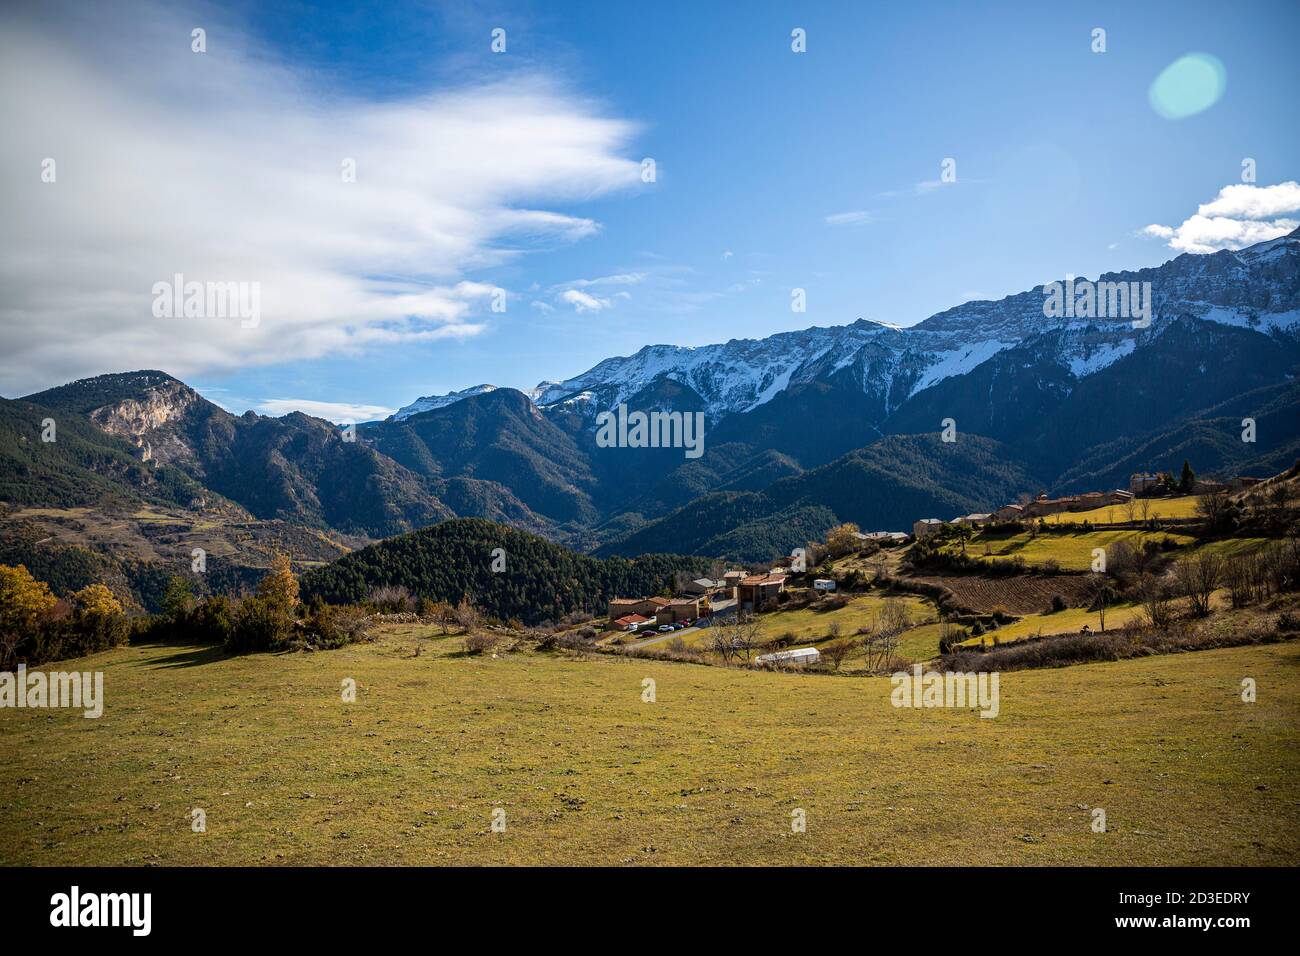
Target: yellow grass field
[(807, 624), (1068, 621), (1184, 507), (587, 771), (1071, 551)]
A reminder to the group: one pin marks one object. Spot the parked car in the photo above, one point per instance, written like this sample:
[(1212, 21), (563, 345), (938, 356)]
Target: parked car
[(665, 628)]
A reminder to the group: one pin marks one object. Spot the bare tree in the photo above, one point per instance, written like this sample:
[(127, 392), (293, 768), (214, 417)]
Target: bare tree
[(1197, 577), (1156, 605), (1215, 507), (736, 637), (1102, 594), (881, 642), (1130, 506), (467, 615), (836, 652)]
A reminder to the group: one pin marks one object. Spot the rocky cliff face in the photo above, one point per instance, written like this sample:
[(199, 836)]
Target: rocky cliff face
[(143, 421)]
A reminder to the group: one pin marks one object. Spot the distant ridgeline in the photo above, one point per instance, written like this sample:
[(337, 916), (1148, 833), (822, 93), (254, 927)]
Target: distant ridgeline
[(534, 580)]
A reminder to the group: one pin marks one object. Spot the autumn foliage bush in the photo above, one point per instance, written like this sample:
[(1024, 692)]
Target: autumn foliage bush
[(36, 627)]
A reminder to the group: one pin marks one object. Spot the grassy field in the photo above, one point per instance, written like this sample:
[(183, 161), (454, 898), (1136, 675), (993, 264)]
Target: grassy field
[(1068, 621), (811, 624), (587, 772), (1184, 507), (1071, 551), (1231, 547)]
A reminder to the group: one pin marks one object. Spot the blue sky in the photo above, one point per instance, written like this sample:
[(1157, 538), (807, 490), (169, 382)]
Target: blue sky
[(778, 170)]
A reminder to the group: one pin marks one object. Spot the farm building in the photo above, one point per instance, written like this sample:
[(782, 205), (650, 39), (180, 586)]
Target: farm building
[(926, 527), (646, 607), (824, 584), (630, 622), (757, 589), (802, 655), (973, 519), (702, 586), (881, 537), (620, 607), (1141, 481), (678, 609)]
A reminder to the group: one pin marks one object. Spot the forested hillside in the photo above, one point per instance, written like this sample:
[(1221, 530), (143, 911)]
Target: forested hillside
[(537, 581)]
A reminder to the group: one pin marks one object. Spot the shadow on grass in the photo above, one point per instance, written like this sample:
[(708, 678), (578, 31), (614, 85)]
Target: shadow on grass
[(187, 656)]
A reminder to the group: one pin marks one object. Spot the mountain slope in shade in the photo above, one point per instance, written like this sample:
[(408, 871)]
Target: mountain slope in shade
[(875, 487), (499, 436)]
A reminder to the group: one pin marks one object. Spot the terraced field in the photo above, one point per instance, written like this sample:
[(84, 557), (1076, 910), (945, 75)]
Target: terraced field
[(1022, 594), (1072, 552)]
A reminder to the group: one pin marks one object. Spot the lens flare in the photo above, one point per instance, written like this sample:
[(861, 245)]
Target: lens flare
[(1190, 85)]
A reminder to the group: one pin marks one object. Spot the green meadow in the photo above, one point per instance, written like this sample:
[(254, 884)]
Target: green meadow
[(584, 769)]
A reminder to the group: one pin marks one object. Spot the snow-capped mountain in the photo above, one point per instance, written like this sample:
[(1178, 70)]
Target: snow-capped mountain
[(439, 401), (1257, 288)]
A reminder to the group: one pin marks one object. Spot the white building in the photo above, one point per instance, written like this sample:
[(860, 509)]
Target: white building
[(824, 584), (802, 655)]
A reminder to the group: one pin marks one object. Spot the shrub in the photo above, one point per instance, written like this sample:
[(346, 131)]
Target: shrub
[(394, 599), (1058, 604), (213, 620), (24, 605), (261, 624), (480, 642)]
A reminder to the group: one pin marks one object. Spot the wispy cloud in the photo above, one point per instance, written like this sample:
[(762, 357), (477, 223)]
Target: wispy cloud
[(228, 166), (855, 217), (1241, 215), (330, 411), (582, 302), (622, 278)]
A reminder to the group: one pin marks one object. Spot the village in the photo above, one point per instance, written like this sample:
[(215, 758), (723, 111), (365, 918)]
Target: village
[(740, 593)]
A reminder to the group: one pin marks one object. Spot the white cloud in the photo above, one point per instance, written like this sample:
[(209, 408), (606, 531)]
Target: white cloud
[(1247, 201), (582, 302), (330, 411), (852, 218), (1241, 215), (226, 166), (622, 278)]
